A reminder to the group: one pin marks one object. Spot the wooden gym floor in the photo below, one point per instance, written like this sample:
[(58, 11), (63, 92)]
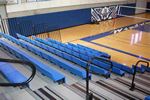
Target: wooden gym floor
[(130, 41), (122, 41)]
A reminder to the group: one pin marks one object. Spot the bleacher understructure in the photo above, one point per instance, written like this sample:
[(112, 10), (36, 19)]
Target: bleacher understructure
[(62, 69)]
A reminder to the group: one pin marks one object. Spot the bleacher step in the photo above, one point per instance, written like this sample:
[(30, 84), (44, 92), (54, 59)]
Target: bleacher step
[(45, 94), (67, 93), (119, 90), (135, 94), (101, 91), (146, 77), (137, 84), (83, 90), (141, 81), (128, 84)]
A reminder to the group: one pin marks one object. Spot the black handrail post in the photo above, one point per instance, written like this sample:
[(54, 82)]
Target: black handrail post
[(87, 83), (133, 84), (133, 79), (89, 96)]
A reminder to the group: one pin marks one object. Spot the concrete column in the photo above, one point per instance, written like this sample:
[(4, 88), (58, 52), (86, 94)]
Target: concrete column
[(3, 12), (3, 17)]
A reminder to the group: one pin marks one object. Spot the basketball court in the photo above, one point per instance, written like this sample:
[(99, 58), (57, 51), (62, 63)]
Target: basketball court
[(131, 43), (73, 50)]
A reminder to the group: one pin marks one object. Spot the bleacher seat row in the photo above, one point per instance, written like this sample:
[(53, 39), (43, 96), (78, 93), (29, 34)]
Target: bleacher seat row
[(81, 49), (63, 51), (147, 98), (70, 67), (125, 68), (92, 52), (67, 56), (72, 58), (44, 69), (115, 64), (11, 73), (81, 59)]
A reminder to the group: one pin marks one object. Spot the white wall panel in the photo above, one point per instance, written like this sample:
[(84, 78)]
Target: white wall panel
[(2, 11), (12, 1), (3, 15), (57, 5), (141, 4)]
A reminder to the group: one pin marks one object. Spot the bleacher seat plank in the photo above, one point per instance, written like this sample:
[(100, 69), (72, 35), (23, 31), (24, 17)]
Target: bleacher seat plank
[(11, 73), (44, 69)]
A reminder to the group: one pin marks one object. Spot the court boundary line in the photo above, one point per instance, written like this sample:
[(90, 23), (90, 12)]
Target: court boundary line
[(104, 34), (121, 51)]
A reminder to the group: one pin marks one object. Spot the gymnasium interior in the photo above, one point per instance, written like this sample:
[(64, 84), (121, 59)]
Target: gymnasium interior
[(74, 49)]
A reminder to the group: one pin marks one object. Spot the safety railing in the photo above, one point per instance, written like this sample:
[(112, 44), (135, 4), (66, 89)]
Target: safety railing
[(26, 82), (134, 74), (89, 96)]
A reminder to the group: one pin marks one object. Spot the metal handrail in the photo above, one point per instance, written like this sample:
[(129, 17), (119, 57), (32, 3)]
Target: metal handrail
[(89, 96), (20, 62), (135, 67)]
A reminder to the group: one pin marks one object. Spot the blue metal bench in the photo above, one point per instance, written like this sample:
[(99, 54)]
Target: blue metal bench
[(147, 98), (81, 57), (83, 63), (44, 69), (11, 74), (123, 67), (70, 68), (146, 68)]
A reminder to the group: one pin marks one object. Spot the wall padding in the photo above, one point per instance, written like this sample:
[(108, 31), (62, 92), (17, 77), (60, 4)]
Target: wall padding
[(30, 25)]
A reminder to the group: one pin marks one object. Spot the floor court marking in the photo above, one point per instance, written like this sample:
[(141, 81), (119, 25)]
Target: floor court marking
[(89, 39), (134, 55)]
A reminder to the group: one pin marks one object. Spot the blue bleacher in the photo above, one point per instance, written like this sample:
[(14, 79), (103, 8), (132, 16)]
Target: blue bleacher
[(68, 66), (11, 74), (72, 58), (115, 70), (65, 65), (141, 68), (80, 57), (44, 69), (82, 49), (123, 67), (89, 52), (120, 66), (102, 64), (94, 51), (81, 63), (146, 68), (84, 53), (147, 98)]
